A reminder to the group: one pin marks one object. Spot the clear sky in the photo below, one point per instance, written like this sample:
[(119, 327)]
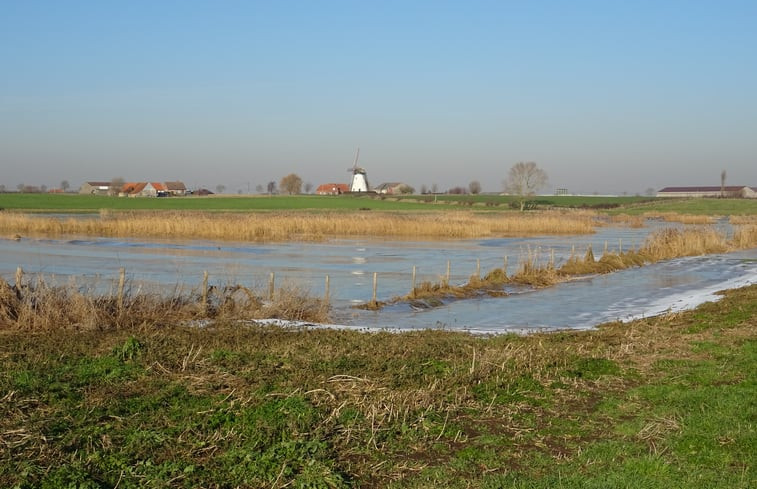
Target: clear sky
[(606, 96)]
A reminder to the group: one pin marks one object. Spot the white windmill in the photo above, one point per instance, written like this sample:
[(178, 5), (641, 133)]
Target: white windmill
[(359, 179)]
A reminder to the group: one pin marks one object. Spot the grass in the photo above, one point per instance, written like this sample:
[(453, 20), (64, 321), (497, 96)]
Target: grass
[(278, 226), (35, 305), (662, 402)]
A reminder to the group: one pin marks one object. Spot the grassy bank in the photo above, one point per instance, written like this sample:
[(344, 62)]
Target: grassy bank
[(662, 402)]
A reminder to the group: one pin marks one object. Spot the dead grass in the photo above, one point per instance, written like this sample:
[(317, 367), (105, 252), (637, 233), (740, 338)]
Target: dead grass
[(682, 218), (37, 306), (302, 225)]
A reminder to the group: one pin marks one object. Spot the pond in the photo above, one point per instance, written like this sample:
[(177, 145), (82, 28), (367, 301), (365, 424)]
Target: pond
[(351, 263)]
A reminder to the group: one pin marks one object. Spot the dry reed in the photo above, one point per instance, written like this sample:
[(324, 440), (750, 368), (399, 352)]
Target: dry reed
[(681, 218), (39, 306), (301, 225), (661, 245)]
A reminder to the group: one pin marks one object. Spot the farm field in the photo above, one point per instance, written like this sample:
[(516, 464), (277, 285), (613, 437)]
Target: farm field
[(661, 402), (629, 205)]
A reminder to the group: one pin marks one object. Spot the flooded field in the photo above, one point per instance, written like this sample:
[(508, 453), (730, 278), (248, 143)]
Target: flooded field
[(157, 266)]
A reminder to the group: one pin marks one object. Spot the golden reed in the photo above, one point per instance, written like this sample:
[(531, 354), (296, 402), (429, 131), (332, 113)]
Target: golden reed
[(281, 226)]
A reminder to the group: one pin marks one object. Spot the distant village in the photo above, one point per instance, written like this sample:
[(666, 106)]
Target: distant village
[(292, 184)]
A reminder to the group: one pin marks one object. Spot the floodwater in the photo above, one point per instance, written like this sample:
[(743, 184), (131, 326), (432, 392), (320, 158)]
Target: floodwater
[(351, 263)]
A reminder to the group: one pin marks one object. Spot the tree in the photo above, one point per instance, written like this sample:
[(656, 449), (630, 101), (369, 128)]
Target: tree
[(308, 187), (523, 180), (116, 184), (722, 183), (271, 187), (406, 189), (474, 187), (64, 185), (291, 184), (259, 188), (220, 188), (424, 189)]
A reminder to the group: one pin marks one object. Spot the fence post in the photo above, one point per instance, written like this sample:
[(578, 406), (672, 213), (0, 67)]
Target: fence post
[(446, 280), (121, 283), (327, 296), (478, 268), (204, 290), (504, 268), (413, 289), (620, 245), (19, 277), (375, 286), (271, 285)]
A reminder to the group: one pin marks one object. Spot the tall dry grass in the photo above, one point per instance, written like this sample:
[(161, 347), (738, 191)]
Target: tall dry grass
[(301, 225), (38, 306), (681, 218)]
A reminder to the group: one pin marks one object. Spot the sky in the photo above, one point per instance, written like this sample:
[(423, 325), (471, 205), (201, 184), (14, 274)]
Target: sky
[(607, 97)]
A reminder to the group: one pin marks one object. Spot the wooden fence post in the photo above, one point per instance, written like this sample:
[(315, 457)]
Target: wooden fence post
[(19, 277), (375, 286), (446, 279), (478, 268), (327, 296), (121, 283), (414, 283), (204, 290), (271, 285), (504, 268)]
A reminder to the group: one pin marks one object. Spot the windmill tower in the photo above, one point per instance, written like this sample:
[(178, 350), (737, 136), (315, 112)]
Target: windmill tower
[(359, 179)]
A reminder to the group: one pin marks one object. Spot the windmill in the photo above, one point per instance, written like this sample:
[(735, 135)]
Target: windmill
[(359, 179)]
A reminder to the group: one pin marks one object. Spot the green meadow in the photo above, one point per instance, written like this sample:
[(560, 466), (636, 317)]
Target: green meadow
[(626, 205), (657, 403)]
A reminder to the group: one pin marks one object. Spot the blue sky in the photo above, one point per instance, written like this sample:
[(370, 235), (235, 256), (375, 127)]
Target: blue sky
[(607, 97)]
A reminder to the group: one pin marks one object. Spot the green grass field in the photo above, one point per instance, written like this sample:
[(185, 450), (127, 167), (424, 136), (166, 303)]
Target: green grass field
[(628, 205), (658, 403)]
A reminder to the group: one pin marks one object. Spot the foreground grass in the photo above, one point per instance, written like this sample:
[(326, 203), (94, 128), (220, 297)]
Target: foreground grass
[(662, 402)]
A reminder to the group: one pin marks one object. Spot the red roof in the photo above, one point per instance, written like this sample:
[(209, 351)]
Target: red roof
[(332, 188)]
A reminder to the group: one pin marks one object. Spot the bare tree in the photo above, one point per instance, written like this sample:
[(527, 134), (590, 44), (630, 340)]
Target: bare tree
[(722, 183), (64, 185), (259, 188), (271, 187), (21, 187), (220, 188), (308, 187), (291, 184), (424, 189), (116, 184), (523, 180), (474, 187)]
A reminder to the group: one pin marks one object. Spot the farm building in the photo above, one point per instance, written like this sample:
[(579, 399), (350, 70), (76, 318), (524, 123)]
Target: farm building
[(332, 189), (143, 189), (714, 191), (393, 188), (99, 188), (176, 188)]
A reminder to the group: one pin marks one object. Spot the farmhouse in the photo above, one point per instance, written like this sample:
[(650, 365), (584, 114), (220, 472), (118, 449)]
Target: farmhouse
[(332, 189), (98, 188), (176, 188), (143, 189), (393, 188), (714, 191)]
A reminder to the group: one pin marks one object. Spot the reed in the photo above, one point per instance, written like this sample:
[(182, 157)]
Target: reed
[(301, 225), (536, 270), (38, 306), (682, 218)]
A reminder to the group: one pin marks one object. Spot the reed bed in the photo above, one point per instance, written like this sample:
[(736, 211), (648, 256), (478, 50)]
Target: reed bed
[(681, 218), (535, 270), (301, 225), (748, 219), (38, 306)]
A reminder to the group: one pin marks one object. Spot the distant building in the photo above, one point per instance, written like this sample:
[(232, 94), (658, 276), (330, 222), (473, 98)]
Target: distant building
[(392, 188), (713, 191), (97, 188), (176, 188), (332, 189)]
